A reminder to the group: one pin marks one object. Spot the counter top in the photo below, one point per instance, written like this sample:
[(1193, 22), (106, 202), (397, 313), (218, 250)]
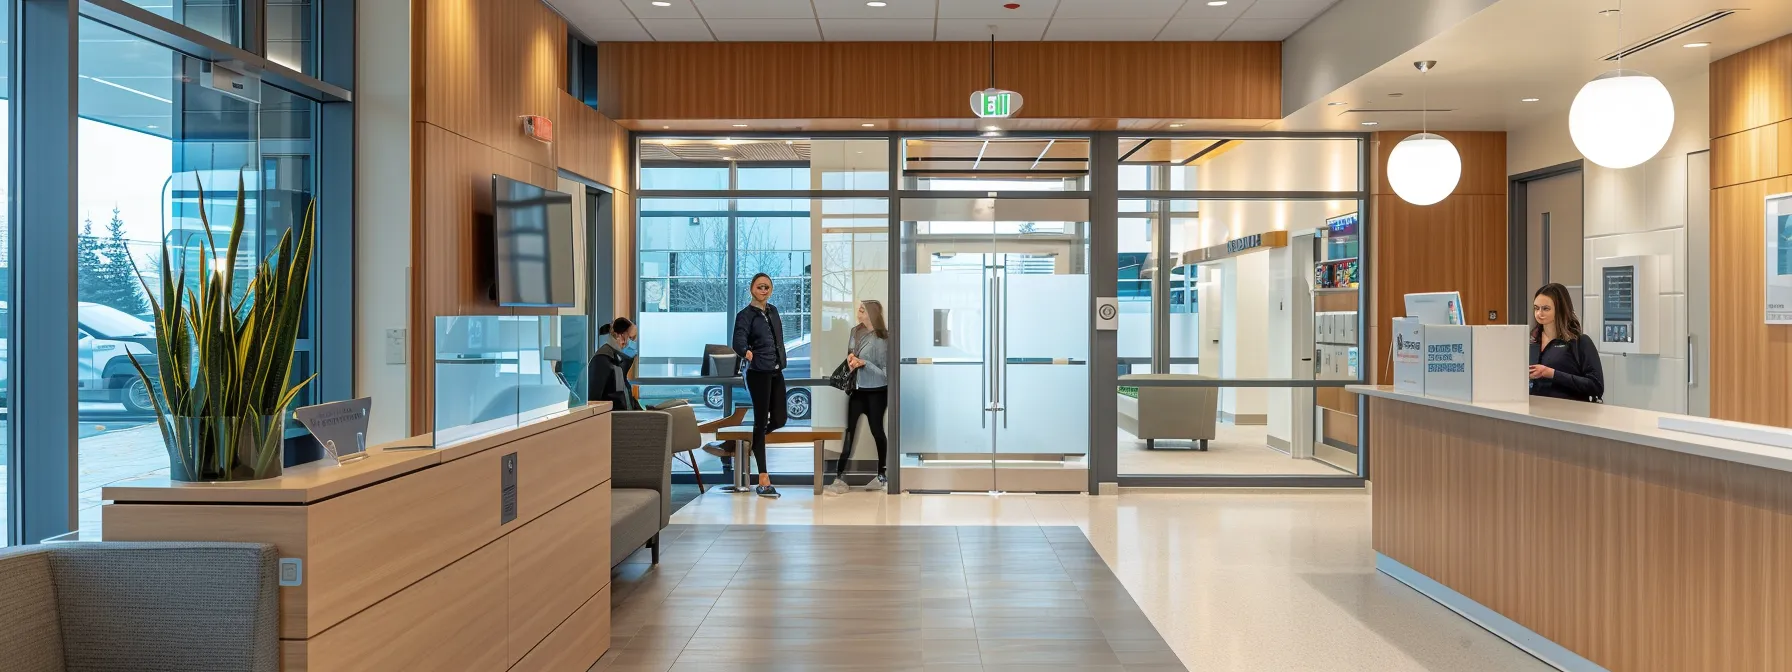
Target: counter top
[(1617, 423), (323, 478)]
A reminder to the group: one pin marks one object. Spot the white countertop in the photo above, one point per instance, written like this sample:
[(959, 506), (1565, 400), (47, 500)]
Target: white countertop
[(1605, 421)]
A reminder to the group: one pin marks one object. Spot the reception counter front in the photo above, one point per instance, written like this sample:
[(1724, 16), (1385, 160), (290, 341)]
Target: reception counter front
[(1584, 533)]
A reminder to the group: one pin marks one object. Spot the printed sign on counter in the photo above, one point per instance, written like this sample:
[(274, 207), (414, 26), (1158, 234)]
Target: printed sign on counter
[(1449, 349), (1409, 355)]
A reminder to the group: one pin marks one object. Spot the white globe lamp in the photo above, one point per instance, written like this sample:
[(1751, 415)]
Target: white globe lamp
[(1424, 168), (1621, 118)]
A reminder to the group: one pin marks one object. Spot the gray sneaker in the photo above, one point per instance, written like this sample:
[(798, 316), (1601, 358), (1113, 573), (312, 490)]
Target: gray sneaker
[(879, 484), (838, 487)]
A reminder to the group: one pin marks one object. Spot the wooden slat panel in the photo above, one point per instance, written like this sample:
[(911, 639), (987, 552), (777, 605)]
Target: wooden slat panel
[(1340, 427), (480, 64), (578, 642), (1750, 89), (1337, 302), (1751, 361), (452, 620), (1745, 157), (933, 80), (1633, 557), (557, 563), (589, 144)]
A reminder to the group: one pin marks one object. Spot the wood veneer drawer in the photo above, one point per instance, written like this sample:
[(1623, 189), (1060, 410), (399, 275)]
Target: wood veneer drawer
[(452, 620), (557, 562), (578, 642)]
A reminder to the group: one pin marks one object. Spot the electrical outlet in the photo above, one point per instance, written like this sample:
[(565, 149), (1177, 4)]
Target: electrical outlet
[(1493, 316), (292, 572), (395, 347)]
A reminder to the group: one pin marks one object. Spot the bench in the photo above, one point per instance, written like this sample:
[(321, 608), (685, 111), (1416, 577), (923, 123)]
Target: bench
[(819, 436)]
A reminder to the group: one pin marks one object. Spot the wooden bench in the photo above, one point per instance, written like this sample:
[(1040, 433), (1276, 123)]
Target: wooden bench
[(819, 436)]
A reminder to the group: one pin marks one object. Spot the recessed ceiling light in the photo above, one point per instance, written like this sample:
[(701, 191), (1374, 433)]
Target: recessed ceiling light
[(1696, 45), (868, 125), (789, 142), (662, 4), (992, 128), (1371, 123), (1529, 100), (1217, 3), (1336, 103), (874, 3), (740, 125), (665, 128), (1175, 125)]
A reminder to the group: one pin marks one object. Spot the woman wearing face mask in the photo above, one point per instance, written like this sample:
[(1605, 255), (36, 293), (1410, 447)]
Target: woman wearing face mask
[(759, 340), (611, 363), (870, 396)]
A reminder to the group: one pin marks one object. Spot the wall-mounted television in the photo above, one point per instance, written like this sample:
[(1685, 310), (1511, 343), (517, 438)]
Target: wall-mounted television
[(532, 244)]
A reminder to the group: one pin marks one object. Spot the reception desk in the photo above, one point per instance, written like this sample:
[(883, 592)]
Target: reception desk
[(491, 554), (1584, 533)]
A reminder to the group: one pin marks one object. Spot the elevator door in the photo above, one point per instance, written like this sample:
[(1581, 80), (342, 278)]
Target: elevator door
[(995, 352)]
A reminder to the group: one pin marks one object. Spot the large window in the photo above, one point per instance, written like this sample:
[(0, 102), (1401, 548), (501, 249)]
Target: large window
[(6, 100)]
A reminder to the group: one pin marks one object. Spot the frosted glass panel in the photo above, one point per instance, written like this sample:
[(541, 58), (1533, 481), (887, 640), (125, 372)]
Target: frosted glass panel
[(1048, 317), (942, 317), (1047, 410), (1135, 330), (942, 409)]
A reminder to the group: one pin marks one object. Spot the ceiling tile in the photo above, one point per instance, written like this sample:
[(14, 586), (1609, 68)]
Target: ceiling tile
[(766, 30), (679, 9), (857, 9), (591, 9), (1262, 30), (993, 9), (1287, 9), (1198, 9), (755, 9), (877, 30), (1104, 30), (1194, 30), (977, 30), (1117, 9), (615, 31), (678, 30)]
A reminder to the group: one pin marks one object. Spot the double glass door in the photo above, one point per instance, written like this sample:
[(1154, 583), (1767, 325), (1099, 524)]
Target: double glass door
[(994, 384)]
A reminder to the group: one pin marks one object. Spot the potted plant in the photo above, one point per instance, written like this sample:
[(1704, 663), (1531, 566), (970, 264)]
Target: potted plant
[(222, 387)]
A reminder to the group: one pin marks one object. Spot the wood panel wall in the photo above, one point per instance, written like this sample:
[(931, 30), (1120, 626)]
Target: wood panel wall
[(1456, 244), (1751, 158), (477, 67), (932, 80), (1633, 557)]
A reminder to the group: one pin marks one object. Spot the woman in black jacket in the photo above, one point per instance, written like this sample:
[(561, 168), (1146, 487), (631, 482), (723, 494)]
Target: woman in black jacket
[(615, 356), (759, 340), (1564, 362)]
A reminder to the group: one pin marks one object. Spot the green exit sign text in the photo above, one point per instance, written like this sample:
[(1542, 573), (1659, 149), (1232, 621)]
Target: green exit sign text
[(995, 103)]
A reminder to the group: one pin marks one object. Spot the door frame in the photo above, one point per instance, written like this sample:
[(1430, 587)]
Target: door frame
[(1518, 295)]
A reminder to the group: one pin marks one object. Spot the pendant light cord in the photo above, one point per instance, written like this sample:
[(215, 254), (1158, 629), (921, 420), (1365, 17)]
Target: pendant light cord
[(992, 59)]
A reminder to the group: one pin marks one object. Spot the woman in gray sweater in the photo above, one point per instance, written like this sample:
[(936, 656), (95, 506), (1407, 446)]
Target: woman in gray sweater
[(869, 356)]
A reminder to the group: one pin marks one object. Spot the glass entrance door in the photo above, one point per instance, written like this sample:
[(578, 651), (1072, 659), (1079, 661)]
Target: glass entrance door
[(994, 386)]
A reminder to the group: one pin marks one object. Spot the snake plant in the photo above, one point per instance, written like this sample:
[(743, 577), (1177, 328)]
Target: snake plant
[(224, 357)]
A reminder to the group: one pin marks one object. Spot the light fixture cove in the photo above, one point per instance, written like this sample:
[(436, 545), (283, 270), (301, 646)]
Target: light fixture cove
[(1621, 118), (1424, 168)]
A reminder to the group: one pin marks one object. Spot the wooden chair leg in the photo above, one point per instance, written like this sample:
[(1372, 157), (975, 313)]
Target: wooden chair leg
[(696, 472)]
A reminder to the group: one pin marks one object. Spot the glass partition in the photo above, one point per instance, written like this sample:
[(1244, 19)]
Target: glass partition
[(496, 372)]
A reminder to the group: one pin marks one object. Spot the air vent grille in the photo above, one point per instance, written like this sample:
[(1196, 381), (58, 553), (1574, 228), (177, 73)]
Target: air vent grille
[(1365, 110), (1671, 33)]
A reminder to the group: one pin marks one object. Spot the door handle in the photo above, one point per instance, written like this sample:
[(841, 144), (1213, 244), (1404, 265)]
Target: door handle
[(1692, 360)]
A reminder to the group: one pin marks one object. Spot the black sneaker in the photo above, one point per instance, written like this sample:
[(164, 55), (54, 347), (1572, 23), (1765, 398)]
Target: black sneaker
[(766, 491)]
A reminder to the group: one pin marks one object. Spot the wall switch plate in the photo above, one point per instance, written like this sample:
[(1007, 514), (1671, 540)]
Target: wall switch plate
[(507, 489), (395, 349), (292, 572)]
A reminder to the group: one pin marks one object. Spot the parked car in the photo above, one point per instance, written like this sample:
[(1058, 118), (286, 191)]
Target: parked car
[(105, 340), (798, 400)]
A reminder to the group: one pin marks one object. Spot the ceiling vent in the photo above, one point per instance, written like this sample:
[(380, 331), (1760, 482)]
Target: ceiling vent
[(1364, 110), (1671, 33)]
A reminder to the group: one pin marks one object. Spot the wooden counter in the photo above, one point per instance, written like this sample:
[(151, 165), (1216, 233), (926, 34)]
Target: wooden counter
[(1585, 534), (406, 561)]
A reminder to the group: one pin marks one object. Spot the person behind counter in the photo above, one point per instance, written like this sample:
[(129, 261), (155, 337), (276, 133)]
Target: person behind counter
[(1564, 362), (611, 363)]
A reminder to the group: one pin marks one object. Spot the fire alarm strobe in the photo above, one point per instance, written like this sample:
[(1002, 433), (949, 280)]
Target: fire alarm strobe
[(538, 127)]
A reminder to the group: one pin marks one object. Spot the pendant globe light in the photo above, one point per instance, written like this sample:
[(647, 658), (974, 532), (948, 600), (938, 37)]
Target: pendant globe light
[(1623, 117), (1424, 168)]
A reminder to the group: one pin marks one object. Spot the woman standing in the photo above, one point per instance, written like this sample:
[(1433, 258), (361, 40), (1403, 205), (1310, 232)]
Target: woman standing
[(611, 363), (759, 340), (870, 395), (1564, 362)]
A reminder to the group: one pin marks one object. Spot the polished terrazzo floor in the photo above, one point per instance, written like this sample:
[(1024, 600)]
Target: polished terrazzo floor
[(1230, 579), (801, 597)]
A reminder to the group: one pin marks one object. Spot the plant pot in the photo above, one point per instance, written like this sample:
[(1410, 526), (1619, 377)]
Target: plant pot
[(210, 449)]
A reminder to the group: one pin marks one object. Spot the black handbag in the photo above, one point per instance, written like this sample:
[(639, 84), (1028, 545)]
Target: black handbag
[(844, 377)]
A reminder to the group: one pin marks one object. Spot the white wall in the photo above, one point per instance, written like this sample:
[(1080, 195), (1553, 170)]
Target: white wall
[(1635, 211), (382, 210), (1244, 327)]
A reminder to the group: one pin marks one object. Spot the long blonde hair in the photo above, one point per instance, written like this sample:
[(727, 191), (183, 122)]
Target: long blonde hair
[(874, 313)]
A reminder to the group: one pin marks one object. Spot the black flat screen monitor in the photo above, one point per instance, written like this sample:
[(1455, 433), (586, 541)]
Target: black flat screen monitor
[(533, 244), (719, 361)]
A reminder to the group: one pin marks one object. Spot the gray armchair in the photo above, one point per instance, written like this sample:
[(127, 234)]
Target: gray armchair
[(137, 607), (640, 481)]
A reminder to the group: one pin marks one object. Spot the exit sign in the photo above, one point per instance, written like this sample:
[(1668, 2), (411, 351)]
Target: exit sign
[(995, 103)]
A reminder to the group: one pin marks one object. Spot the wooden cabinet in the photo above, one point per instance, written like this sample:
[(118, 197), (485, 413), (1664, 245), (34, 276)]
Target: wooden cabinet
[(407, 561)]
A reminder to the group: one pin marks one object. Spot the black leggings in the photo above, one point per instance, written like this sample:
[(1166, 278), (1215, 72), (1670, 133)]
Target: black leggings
[(872, 403), (767, 390)]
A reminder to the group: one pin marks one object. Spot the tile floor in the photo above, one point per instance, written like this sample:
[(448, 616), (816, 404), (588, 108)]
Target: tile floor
[(1237, 450), (1232, 579), (803, 597)]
